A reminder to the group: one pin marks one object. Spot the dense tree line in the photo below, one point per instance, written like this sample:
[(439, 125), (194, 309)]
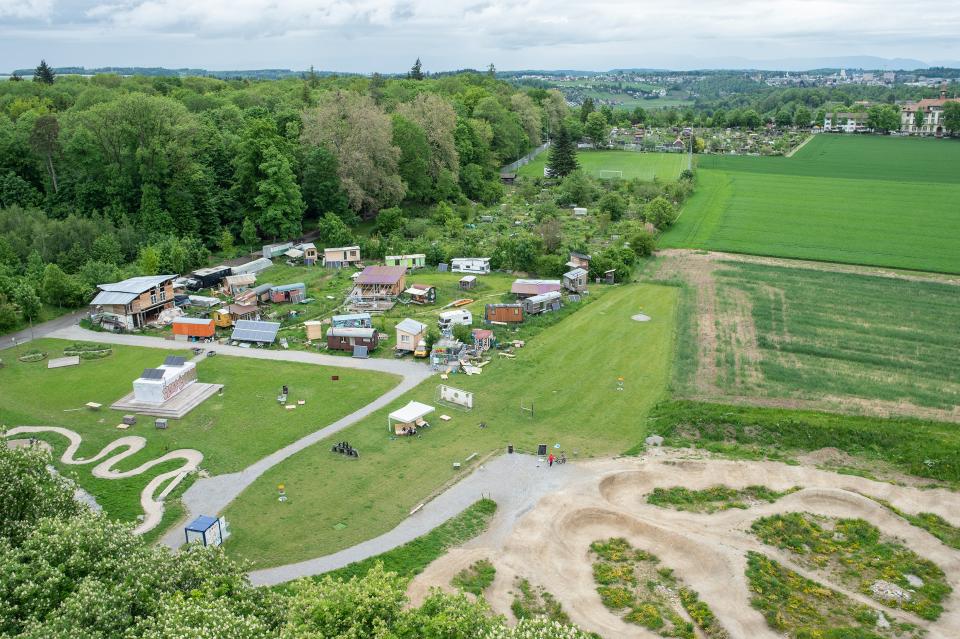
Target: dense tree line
[(198, 163), (67, 573)]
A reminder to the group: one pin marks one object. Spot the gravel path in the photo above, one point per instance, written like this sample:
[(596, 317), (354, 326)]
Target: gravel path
[(515, 482)]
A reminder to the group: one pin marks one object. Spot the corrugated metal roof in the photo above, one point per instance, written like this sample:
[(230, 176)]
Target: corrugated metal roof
[(136, 285), (350, 317), (577, 272), (255, 266), (263, 288), (289, 287), (109, 297), (546, 297), (534, 287), (253, 331), (382, 275), (350, 331), (193, 320), (411, 326)]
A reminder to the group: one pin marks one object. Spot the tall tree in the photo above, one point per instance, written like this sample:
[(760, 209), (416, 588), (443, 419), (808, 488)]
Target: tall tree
[(414, 163), (248, 233), (44, 138), (279, 205), (586, 109), (563, 154), (491, 71), (43, 73), (951, 117), (416, 71), (597, 129), (438, 120), (918, 118), (321, 187)]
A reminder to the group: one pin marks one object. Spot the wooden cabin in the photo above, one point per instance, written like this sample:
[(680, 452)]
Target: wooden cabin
[(483, 339), (380, 283), (503, 313), (409, 333), (344, 339), (542, 303), (256, 295), (291, 293), (422, 293), (234, 285), (310, 253), (467, 282), (579, 260), (575, 280), (341, 256), (229, 315)]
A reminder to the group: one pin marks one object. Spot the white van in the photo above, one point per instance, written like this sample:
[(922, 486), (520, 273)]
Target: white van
[(449, 319)]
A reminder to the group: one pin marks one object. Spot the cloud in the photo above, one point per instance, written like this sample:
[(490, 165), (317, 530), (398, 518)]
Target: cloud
[(26, 9)]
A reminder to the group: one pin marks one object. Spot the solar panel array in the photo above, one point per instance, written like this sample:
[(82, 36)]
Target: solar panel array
[(152, 373), (254, 331), (174, 360)]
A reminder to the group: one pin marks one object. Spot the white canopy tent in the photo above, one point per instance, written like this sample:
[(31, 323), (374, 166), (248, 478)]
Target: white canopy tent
[(409, 414)]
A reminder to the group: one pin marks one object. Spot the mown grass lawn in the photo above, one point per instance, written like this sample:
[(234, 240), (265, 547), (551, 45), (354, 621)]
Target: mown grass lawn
[(568, 373), (860, 200), (646, 166), (232, 431)]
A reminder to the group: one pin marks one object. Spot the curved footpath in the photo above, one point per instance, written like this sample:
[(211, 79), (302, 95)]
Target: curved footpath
[(516, 482), (209, 496)]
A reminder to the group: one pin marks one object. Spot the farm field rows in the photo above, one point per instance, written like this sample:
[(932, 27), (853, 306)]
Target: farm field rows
[(872, 201), (845, 340), (232, 430), (646, 166), (569, 378)]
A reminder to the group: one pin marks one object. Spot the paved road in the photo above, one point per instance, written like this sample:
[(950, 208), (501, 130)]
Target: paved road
[(515, 482), (209, 496), (43, 330)]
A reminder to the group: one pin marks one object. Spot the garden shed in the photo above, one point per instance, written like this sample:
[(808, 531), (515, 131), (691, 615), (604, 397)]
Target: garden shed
[(483, 339), (409, 334), (575, 280), (410, 416), (310, 253), (288, 293), (503, 313), (236, 284), (542, 303), (467, 282), (314, 329), (422, 293), (192, 328)]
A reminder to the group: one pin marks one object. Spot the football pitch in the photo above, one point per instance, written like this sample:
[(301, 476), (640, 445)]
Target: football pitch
[(876, 201)]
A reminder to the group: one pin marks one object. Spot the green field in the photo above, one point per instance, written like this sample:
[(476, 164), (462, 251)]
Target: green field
[(861, 200), (823, 335), (645, 166), (232, 431), (569, 373)]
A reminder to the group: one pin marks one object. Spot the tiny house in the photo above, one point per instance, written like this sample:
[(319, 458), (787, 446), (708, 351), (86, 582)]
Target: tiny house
[(310, 253), (478, 265), (288, 293), (503, 313), (575, 280), (422, 293), (341, 256), (207, 277), (344, 339), (467, 282), (409, 334), (230, 315), (542, 303), (415, 260), (579, 260)]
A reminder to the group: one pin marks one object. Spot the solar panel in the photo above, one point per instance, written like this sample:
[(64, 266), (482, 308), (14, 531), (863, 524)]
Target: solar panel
[(174, 360), (254, 331), (152, 373)]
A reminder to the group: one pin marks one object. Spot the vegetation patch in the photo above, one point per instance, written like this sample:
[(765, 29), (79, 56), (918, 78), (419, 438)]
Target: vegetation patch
[(931, 450), (710, 500), (475, 578), (801, 608), (853, 553), (87, 350), (33, 355), (535, 602), (931, 522), (412, 557), (631, 584)]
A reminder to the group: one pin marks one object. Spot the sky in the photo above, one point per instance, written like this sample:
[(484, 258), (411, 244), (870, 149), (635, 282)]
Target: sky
[(388, 35)]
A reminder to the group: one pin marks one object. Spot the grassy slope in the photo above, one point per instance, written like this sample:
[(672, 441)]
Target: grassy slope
[(664, 166), (231, 431), (569, 373), (865, 200)]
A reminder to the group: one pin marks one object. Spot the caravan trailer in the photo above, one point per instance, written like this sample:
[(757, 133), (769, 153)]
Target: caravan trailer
[(477, 265), (449, 319)]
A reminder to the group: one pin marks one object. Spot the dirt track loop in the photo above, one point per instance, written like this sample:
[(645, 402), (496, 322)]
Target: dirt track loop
[(549, 544)]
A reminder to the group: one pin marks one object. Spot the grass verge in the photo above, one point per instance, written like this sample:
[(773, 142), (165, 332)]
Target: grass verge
[(710, 500)]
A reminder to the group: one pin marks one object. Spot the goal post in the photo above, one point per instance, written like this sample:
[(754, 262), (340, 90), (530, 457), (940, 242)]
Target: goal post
[(606, 174)]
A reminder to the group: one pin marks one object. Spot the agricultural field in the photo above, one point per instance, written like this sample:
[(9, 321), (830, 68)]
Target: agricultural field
[(859, 200), (232, 430), (570, 381), (766, 332), (645, 166)]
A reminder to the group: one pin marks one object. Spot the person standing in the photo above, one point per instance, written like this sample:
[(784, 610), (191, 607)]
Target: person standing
[(550, 459)]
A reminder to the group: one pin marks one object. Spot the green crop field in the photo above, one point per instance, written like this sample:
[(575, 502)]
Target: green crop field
[(568, 373), (860, 200), (231, 431), (822, 335), (646, 166)]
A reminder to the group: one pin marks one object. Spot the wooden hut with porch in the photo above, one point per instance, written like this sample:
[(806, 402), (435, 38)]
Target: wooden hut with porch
[(377, 288)]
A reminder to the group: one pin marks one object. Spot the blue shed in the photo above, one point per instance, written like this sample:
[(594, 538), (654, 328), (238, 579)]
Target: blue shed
[(209, 531)]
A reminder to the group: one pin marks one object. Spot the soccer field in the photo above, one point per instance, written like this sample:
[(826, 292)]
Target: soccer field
[(861, 200), (646, 166)]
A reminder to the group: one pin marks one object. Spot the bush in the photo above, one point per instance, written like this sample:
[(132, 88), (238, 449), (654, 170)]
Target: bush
[(476, 578), (642, 243)]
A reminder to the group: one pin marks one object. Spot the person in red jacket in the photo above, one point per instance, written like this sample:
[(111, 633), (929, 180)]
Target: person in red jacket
[(550, 459)]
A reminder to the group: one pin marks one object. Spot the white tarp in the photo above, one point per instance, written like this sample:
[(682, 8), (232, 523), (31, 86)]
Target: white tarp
[(410, 413)]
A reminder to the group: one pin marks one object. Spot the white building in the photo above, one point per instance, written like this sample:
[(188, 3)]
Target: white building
[(932, 110), (157, 385), (845, 122), (479, 265)]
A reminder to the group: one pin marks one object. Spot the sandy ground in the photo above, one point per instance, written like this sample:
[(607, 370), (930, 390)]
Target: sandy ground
[(151, 503), (549, 545)]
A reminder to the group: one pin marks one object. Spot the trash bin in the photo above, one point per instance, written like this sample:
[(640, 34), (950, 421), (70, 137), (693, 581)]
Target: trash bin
[(509, 449)]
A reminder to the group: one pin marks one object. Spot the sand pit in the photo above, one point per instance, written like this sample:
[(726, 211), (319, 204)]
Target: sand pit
[(549, 545), (150, 501), (640, 317)]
